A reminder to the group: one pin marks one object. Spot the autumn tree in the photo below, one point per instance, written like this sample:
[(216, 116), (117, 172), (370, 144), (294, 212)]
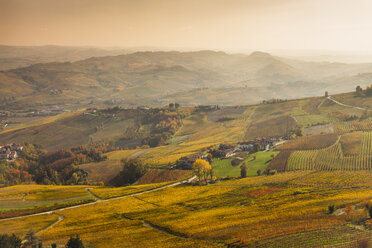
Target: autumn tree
[(31, 240), (201, 169)]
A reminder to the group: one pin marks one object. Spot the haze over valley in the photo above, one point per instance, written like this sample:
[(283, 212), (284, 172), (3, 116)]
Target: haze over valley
[(185, 123), (157, 78)]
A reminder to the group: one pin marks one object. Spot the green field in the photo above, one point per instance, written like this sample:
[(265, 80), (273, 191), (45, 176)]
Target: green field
[(223, 167)]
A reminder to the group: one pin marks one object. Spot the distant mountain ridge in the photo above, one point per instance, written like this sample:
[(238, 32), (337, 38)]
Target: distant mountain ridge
[(12, 57), (153, 78)]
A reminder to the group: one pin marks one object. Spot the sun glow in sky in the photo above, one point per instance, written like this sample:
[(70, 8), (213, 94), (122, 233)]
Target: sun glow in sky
[(200, 24)]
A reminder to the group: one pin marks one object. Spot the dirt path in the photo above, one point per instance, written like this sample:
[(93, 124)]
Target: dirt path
[(345, 105), (60, 218), (103, 200), (95, 197), (163, 229), (139, 153)]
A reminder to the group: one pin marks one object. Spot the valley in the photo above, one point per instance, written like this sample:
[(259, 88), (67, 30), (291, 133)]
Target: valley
[(316, 153)]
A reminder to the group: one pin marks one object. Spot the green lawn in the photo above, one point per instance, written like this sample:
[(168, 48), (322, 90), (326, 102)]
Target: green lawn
[(223, 167)]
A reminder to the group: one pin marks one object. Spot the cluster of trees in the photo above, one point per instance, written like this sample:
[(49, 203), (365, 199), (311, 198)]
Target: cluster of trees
[(220, 152), (206, 108), (31, 240), (174, 105), (273, 101), (160, 124), (133, 169), (59, 167), (367, 92), (10, 241), (164, 124)]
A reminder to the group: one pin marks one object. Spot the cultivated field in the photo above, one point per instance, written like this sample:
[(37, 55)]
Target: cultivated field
[(285, 210), (27, 199)]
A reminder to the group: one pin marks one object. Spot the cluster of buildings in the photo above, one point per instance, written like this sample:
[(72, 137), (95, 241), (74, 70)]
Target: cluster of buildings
[(9, 152), (55, 92), (260, 144), (228, 150)]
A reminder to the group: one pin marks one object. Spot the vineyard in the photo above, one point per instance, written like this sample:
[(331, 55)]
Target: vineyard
[(278, 126), (356, 125), (333, 157), (310, 142), (280, 161)]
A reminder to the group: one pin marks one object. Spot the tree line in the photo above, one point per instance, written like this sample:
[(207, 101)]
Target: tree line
[(31, 240), (36, 165)]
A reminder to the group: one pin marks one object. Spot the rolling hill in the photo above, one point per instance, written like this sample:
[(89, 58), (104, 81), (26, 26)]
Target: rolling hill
[(154, 78)]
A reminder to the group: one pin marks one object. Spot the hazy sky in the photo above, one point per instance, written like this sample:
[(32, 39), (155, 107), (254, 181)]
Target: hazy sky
[(230, 25)]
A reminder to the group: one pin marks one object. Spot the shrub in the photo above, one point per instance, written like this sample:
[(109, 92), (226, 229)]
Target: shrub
[(236, 162), (243, 171), (270, 172), (331, 209), (74, 242), (10, 241), (362, 243), (370, 212)]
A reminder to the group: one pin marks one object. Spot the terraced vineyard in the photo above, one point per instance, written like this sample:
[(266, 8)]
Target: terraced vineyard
[(356, 125), (333, 157)]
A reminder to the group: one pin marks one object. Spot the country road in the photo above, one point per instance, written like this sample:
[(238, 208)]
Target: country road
[(345, 105), (97, 200)]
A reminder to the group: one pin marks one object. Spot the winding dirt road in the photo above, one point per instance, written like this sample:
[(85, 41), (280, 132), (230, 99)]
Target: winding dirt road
[(98, 200), (345, 105)]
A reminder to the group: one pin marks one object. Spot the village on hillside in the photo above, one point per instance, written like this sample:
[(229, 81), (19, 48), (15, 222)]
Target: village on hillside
[(9, 152)]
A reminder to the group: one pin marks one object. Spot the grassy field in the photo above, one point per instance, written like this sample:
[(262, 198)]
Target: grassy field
[(284, 210), (223, 167)]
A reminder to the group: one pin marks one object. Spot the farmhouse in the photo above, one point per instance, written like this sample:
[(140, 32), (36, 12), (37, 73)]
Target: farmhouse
[(266, 142), (246, 146)]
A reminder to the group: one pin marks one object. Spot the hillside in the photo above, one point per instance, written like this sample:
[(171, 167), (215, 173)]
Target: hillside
[(152, 78), (286, 210), (122, 128), (202, 128)]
